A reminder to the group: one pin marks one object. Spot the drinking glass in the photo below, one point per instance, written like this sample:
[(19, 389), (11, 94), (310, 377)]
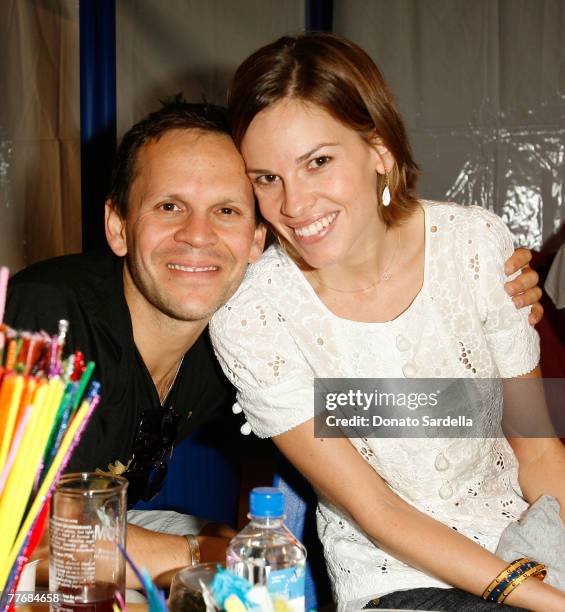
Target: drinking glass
[(188, 585), (87, 521)]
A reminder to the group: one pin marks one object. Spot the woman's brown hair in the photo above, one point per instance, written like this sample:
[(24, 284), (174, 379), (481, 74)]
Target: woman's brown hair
[(337, 75)]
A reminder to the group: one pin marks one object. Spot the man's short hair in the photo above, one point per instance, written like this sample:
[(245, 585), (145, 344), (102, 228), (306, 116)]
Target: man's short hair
[(175, 114)]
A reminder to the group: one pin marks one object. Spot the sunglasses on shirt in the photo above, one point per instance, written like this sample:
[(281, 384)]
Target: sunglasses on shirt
[(153, 446)]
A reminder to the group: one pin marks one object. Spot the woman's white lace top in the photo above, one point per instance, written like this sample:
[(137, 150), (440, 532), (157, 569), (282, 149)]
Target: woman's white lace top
[(275, 335)]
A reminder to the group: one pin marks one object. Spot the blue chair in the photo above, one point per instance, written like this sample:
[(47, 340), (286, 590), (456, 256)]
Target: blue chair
[(300, 511), (202, 480)]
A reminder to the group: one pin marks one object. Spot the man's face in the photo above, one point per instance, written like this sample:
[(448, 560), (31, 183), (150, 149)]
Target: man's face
[(190, 230)]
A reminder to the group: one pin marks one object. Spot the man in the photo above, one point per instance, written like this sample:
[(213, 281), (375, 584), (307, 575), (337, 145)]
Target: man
[(181, 223)]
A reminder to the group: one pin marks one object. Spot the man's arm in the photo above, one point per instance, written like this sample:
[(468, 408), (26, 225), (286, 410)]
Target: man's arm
[(161, 554), (524, 288)]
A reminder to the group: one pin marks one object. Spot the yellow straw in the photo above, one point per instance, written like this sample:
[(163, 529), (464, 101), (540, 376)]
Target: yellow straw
[(20, 482), (30, 434), (10, 396), (15, 475), (7, 563)]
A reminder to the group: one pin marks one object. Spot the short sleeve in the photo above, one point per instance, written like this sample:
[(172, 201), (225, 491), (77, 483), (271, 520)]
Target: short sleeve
[(513, 342), (275, 386)]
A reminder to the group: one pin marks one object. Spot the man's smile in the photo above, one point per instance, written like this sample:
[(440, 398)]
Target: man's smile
[(181, 268)]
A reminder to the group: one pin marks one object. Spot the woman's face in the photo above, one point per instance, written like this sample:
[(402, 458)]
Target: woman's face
[(315, 180)]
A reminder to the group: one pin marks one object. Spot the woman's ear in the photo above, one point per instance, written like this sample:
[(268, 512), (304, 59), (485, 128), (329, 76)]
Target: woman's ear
[(384, 161), (115, 227)]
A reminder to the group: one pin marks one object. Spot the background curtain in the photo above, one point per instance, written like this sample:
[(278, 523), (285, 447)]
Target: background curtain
[(190, 46), (39, 131), (481, 87)]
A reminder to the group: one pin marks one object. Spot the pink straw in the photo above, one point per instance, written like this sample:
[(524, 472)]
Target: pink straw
[(118, 597), (4, 275)]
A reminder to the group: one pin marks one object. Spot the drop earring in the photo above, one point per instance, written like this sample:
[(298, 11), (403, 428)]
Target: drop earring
[(385, 198)]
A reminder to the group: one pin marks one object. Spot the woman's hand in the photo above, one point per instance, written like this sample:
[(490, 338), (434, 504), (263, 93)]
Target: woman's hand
[(524, 289)]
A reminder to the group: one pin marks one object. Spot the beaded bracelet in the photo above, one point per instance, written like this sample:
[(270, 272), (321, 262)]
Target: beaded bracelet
[(538, 571), (502, 577)]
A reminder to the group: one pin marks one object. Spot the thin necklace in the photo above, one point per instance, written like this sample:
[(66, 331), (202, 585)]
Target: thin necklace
[(163, 397), (385, 276)]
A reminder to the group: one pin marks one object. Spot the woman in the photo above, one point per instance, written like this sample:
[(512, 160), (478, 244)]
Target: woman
[(369, 281)]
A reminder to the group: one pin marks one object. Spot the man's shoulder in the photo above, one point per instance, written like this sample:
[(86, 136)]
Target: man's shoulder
[(75, 273), (73, 287)]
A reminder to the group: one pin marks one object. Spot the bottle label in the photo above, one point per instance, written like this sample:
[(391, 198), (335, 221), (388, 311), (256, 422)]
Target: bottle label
[(288, 584)]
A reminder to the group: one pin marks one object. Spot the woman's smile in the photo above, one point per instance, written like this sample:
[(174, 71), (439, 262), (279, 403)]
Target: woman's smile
[(316, 229)]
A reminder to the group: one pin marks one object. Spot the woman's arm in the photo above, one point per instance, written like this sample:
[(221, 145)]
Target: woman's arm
[(338, 471), (541, 460)]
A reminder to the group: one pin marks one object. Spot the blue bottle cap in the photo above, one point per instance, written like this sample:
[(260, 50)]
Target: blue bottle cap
[(266, 502)]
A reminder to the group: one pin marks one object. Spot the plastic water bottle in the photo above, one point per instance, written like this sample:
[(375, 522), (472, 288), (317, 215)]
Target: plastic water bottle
[(265, 552)]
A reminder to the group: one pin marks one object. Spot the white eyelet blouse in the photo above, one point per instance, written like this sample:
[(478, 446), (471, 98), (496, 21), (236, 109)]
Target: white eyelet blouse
[(275, 335)]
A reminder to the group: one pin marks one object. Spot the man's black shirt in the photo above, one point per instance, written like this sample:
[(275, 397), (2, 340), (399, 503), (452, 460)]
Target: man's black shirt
[(87, 290)]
